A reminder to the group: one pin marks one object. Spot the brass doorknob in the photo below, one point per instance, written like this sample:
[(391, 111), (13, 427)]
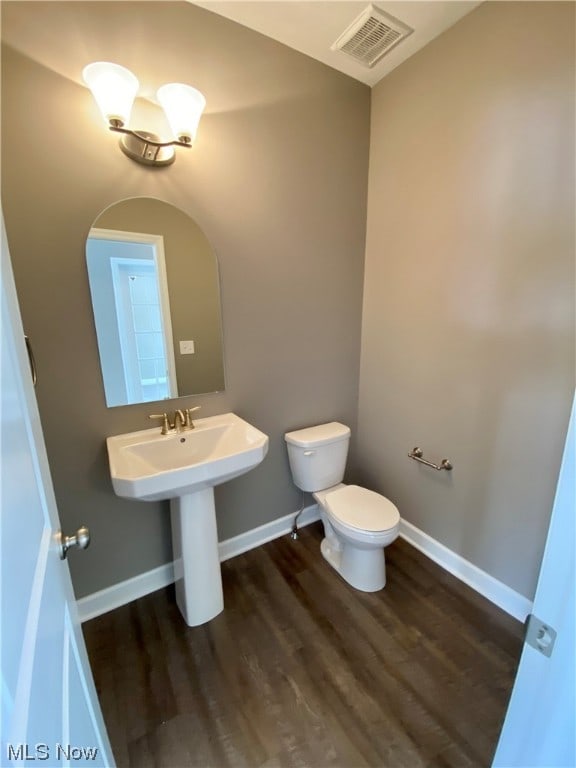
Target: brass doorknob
[(79, 540)]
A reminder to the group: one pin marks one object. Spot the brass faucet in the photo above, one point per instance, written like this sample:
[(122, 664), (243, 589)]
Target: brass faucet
[(181, 422)]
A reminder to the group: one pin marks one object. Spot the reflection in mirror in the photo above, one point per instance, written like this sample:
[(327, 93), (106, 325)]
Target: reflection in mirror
[(156, 300), (127, 273)]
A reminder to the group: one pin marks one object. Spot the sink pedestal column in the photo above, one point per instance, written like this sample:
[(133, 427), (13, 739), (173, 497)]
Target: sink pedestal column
[(197, 565)]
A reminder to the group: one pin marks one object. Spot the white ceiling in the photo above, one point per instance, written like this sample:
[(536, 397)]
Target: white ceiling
[(312, 27)]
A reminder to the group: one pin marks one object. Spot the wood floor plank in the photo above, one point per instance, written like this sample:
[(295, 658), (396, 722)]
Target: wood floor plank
[(301, 670), (331, 662)]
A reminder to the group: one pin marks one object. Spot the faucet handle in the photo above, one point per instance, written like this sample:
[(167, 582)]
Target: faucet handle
[(166, 426), (189, 424)]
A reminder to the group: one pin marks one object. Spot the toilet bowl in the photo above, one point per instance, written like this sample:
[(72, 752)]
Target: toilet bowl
[(358, 523)]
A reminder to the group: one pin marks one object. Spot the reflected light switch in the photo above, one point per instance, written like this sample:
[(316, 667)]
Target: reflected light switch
[(186, 347)]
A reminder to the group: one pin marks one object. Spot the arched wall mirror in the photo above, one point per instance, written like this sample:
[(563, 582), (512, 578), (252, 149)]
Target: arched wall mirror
[(156, 299)]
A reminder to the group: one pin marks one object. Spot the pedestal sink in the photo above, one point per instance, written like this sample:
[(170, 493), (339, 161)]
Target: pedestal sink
[(184, 467)]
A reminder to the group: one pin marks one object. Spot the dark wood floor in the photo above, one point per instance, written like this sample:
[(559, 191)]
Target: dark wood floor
[(302, 670)]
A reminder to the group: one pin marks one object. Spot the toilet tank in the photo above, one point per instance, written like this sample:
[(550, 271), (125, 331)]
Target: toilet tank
[(318, 455)]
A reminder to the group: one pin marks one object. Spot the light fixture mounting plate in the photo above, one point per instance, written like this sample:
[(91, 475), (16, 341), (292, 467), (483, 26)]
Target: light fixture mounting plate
[(143, 147)]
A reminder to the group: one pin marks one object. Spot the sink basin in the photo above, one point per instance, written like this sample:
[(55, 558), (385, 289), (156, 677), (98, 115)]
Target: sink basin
[(184, 467), (149, 466)]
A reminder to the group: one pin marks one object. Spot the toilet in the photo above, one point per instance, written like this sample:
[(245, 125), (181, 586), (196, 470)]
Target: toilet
[(358, 523)]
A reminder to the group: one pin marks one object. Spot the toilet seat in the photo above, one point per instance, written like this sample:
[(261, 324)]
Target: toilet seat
[(358, 509)]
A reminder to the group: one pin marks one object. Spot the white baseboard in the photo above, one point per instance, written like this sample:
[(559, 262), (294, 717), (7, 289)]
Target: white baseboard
[(124, 592), (264, 533), (113, 597), (498, 593)]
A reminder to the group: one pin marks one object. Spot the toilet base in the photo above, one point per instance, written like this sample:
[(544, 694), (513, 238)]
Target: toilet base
[(363, 569)]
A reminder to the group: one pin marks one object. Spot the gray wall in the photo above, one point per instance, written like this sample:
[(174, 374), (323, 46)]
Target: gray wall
[(467, 341), (277, 181), (468, 326)]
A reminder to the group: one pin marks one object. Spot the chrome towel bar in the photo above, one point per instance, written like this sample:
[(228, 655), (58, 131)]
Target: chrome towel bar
[(416, 454)]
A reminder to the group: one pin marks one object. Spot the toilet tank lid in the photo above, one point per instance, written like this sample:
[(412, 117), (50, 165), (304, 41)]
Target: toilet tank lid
[(319, 435)]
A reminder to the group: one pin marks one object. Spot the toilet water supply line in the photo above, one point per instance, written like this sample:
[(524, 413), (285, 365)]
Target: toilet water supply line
[(294, 531)]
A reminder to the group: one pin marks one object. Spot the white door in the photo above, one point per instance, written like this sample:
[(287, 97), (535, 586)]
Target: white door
[(50, 711), (540, 726)]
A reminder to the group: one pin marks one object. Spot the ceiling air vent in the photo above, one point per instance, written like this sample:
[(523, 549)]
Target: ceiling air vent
[(371, 35)]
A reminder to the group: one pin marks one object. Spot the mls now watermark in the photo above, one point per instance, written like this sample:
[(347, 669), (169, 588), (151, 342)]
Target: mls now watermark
[(19, 752)]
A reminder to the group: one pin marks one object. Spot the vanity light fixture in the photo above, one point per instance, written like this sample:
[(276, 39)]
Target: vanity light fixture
[(114, 89)]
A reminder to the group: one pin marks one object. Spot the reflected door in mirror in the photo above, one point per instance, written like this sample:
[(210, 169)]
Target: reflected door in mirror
[(132, 316)]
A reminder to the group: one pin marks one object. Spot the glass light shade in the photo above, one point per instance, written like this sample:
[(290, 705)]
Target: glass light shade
[(183, 106), (114, 88)]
